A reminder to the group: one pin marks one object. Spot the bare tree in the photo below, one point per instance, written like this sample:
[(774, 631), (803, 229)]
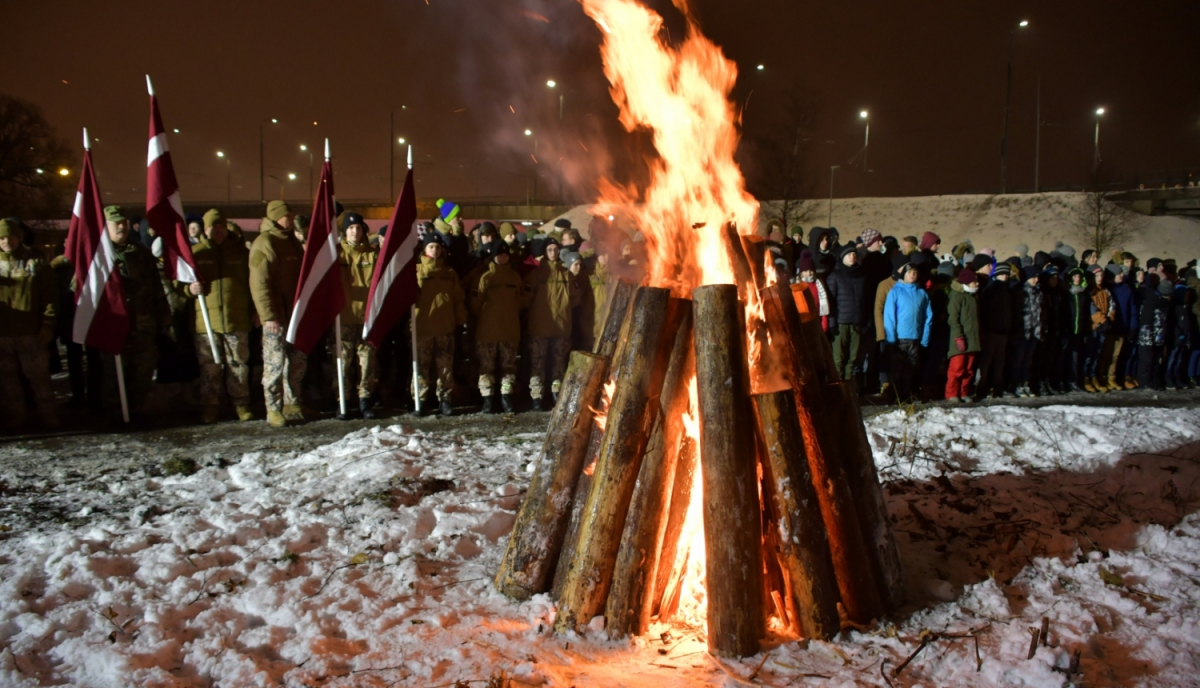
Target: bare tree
[(32, 157), (1103, 225), (776, 156)]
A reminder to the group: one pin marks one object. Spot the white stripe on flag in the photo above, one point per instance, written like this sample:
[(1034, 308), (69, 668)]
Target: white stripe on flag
[(184, 272), (92, 291), (394, 266), (326, 259), (176, 203), (158, 147), (77, 210)]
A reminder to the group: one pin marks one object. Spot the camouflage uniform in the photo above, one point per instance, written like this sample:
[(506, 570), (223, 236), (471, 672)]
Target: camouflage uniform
[(554, 348), (283, 372), (275, 261), (488, 353), (435, 358), (28, 296), (225, 270), (441, 310), (357, 264), (495, 299), (149, 316), (551, 292), (235, 352), (358, 362)]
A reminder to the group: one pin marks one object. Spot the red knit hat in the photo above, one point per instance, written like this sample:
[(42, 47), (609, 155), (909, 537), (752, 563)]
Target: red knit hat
[(928, 240), (966, 276)]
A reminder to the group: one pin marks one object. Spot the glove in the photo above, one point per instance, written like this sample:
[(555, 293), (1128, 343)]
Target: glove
[(961, 344)]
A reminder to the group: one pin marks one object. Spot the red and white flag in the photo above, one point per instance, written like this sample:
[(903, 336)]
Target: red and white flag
[(164, 209), (319, 296), (101, 320), (394, 283)]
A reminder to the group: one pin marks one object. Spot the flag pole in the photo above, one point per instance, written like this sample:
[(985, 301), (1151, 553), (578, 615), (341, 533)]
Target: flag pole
[(413, 320), (121, 389), (337, 323)]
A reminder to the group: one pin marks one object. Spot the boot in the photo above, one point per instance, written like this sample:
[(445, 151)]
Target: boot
[(244, 413), (1046, 390), (488, 406), (1112, 384), (506, 403), (428, 407), (447, 409), (1073, 386), (365, 408), (1089, 385), (293, 412), (1130, 383), (208, 414), (1100, 385), (275, 419), (536, 406)]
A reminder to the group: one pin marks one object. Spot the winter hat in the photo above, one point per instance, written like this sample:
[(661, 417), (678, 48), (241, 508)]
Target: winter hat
[(1150, 264), (1022, 250), (448, 210), (352, 219), (213, 218), (966, 276), (487, 227), (980, 261), (1064, 250), (1050, 270), (1002, 269), (1115, 268), (548, 241), (806, 262), (870, 236), (987, 252), (8, 228), (1165, 288), (114, 213), (569, 258), (1041, 258), (562, 223), (946, 258), (1030, 271), (846, 250), (946, 267), (193, 218), (1095, 269), (506, 230), (277, 210), (899, 260), (497, 248), (890, 244), (928, 239)]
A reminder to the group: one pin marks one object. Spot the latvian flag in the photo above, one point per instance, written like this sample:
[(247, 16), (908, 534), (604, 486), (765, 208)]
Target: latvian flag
[(164, 210), (319, 297), (394, 284), (100, 317)]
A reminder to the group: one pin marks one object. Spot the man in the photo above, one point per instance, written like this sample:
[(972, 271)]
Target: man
[(275, 259), (551, 292), (356, 259), (441, 310), (149, 315), (224, 267), (848, 313), (28, 296), (876, 268), (496, 304), (1102, 312), (995, 322)]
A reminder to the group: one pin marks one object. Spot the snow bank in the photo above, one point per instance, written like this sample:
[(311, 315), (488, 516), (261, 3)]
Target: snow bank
[(369, 561)]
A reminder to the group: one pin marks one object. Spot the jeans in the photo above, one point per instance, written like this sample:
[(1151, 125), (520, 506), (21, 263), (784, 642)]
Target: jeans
[(1022, 360)]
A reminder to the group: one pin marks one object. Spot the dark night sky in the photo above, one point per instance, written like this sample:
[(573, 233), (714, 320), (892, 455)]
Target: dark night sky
[(931, 73)]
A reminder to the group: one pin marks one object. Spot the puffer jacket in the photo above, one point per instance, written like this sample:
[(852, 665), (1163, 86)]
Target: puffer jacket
[(1078, 311), (1029, 313), (1152, 316), (964, 320), (907, 314), (357, 264), (275, 259), (225, 270), (1125, 319), (996, 307), (496, 302), (847, 297), (551, 291), (441, 305)]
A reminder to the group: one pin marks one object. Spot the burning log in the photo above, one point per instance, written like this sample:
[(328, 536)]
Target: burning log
[(755, 249), (631, 598), (653, 323), (617, 311), (807, 332), (803, 545), (732, 533), (537, 537), (667, 582), (867, 493)]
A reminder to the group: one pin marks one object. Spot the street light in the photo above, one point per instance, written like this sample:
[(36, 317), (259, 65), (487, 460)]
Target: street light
[(262, 187), (761, 67), (863, 115), (528, 201), (291, 176), (62, 172), (228, 177), (304, 149), (1007, 107), (401, 141), (551, 83), (1096, 152)]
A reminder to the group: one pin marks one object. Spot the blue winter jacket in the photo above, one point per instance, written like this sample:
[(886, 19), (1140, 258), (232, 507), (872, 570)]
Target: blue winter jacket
[(907, 313), (1126, 318)]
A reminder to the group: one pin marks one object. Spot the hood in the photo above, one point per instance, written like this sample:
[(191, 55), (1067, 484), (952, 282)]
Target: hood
[(814, 238)]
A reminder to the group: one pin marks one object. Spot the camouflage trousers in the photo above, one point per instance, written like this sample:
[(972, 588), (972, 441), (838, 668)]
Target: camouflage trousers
[(358, 362), (139, 358), (435, 358), (487, 353), (556, 349), (234, 348), (24, 353), (283, 372)]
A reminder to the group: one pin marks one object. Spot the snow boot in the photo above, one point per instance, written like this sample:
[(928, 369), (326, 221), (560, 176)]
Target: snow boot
[(208, 414), (536, 406), (447, 409), (365, 407), (488, 407), (244, 413), (293, 412), (1073, 386), (1130, 383), (1089, 385), (506, 403), (275, 419)]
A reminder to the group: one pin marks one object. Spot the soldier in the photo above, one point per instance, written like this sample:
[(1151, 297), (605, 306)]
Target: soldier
[(496, 303), (599, 281), (551, 291), (224, 266), (149, 314), (441, 309), (356, 257), (28, 297), (275, 260)]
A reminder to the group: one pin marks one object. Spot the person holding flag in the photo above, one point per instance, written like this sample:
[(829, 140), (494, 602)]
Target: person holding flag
[(441, 309), (28, 297), (223, 264), (356, 260), (275, 259)]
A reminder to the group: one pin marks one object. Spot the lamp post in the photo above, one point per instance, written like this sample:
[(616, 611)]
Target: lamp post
[(529, 132), (1007, 108), (304, 149), (228, 178), (262, 186), (866, 136), (832, 169), (1096, 150)]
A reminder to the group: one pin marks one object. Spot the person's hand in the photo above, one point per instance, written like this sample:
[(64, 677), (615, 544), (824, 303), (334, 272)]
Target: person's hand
[(197, 288), (961, 345), (45, 336), (272, 327)]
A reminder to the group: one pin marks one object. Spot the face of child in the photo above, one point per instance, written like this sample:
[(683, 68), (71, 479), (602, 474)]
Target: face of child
[(910, 276), (850, 259), (576, 267), (552, 252), (355, 234), (433, 250)]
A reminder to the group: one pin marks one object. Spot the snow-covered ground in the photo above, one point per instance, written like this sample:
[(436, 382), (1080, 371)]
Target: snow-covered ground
[(368, 562)]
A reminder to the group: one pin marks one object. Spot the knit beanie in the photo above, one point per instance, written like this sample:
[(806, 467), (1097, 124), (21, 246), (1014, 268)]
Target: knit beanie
[(928, 239), (277, 210), (8, 228), (448, 210), (981, 260), (212, 218), (946, 268), (1002, 269), (352, 219), (1030, 271), (806, 262), (870, 236), (846, 250), (966, 276), (1022, 250), (1041, 258), (193, 218), (562, 223), (568, 258)]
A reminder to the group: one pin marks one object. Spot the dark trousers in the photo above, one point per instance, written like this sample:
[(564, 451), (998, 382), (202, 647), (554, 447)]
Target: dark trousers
[(1148, 369), (905, 361), (1127, 359), (85, 384), (1023, 350), (1073, 361), (1175, 369), (993, 349), (1092, 351), (847, 350)]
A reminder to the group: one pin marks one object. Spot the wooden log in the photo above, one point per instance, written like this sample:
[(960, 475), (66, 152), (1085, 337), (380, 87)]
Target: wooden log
[(631, 597), (742, 274), (541, 525), (809, 334), (732, 535), (867, 492), (669, 576), (755, 249), (616, 314), (804, 547), (654, 320)]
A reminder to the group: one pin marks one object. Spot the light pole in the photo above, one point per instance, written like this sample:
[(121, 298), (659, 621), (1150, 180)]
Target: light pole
[(262, 187), (304, 149), (228, 177), (1007, 108), (529, 132), (864, 116), (1096, 151), (392, 151), (832, 168), (1037, 140)]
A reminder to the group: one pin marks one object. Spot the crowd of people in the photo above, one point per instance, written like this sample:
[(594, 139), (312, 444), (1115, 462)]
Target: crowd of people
[(501, 306)]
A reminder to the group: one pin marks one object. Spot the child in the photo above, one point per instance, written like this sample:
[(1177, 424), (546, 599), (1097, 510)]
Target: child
[(964, 335)]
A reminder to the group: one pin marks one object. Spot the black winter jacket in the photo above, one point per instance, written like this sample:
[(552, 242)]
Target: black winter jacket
[(996, 308), (848, 303)]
